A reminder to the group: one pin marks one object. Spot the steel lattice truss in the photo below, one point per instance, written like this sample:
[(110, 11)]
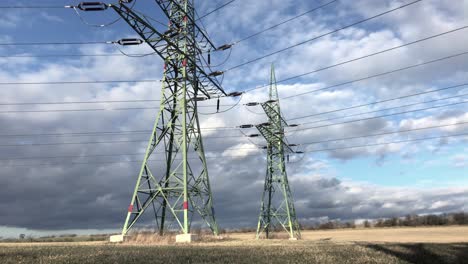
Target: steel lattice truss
[(177, 189), (277, 210)]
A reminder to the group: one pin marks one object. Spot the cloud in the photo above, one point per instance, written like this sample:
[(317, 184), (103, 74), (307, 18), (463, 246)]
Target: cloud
[(55, 194), (460, 161)]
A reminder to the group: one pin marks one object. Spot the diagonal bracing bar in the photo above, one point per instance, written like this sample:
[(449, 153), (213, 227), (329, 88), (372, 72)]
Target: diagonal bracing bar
[(277, 210)]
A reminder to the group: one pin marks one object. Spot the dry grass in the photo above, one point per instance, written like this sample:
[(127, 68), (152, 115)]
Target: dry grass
[(448, 234), (150, 238), (271, 251), (334, 246), (153, 238)]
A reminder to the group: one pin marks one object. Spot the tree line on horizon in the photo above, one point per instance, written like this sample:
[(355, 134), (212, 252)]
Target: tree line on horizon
[(449, 219)]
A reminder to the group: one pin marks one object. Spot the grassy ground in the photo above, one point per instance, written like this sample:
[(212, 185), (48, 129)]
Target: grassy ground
[(316, 247), (446, 234), (263, 252)]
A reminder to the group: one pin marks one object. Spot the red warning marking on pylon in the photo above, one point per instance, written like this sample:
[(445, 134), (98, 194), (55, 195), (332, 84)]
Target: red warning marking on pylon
[(185, 205), (185, 18), (130, 208), (184, 63)]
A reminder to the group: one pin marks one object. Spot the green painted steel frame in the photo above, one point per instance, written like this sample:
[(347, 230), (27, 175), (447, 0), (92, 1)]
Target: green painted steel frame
[(180, 189), (277, 209)]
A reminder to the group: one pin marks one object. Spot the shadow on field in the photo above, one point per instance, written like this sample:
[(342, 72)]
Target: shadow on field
[(425, 253)]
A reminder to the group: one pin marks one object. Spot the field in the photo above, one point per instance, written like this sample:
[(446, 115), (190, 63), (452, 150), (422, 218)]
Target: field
[(396, 245)]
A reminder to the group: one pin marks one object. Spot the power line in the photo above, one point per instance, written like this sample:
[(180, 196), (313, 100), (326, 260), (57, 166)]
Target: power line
[(246, 155), (384, 134), (323, 35), (53, 43), (216, 9), (216, 128), (388, 143), (376, 117), (92, 109), (285, 21), (147, 17), (227, 128), (74, 163), (300, 129), (371, 112), (389, 100), (78, 82), (83, 102), (329, 67), (73, 143), (284, 98), (31, 7), (101, 133), (77, 163), (100, 155), (159, 22), (74, 55), (368, 77), (371, 55), (70, 156), (77, 110), (310, 143), (288, 97)]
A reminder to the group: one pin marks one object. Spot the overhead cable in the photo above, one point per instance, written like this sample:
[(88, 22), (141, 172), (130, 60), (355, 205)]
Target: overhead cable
[(367, 56), (323, 35), (216, 9), (284, 22)]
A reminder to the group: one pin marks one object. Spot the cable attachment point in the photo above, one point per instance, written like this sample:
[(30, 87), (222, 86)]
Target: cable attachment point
[(299, 152), (125, 1), (293, 125), (271, 101), (264, 124), (129, 41), (91, 6), (224, 47), (246, 126), (252, 104), (235, 94), (216, 73), (254, 135), (293, 145), (170, 33), (199, 99)]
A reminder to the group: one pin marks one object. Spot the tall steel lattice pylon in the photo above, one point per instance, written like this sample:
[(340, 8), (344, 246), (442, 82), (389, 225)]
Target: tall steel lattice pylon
[(277, 210), (179, 188)]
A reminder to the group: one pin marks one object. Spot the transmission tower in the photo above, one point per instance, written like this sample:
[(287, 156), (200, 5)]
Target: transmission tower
[(277, 210), (179, 187)]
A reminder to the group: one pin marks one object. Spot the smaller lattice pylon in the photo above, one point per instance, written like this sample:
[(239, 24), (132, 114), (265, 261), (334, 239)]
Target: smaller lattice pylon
[(277, 212)]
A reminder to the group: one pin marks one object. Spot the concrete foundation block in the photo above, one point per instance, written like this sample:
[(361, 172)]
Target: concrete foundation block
[(186, 238), (116, 238)]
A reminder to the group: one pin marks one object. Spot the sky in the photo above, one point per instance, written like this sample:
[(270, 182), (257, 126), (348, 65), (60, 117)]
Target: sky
[(56, 189)]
